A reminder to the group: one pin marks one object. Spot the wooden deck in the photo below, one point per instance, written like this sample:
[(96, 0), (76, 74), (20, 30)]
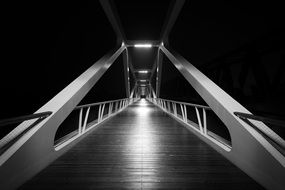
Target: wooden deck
[(141, 148)]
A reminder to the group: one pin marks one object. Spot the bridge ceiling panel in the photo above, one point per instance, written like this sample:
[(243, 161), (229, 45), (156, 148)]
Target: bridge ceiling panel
[(142, 19)]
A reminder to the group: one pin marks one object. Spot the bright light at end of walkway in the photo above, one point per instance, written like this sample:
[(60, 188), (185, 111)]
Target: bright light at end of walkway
[(143, 80), (143, 45), (143, 71)]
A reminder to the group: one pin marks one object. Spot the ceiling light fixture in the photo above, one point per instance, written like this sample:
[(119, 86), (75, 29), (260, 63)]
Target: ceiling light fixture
[(143, 45), (143, 71)]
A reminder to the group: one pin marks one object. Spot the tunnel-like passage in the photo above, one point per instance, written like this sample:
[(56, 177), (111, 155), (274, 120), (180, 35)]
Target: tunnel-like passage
[(141, 147)]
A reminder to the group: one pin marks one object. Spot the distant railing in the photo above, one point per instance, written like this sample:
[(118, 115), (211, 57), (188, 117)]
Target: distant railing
[(277, 140), (17, 132), (104, 110), (179, 111)]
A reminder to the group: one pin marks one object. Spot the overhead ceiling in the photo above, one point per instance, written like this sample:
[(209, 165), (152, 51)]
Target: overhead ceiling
[(142, 19)]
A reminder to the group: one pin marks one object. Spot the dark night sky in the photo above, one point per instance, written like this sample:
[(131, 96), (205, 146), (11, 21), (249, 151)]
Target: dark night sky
[(46, 45)]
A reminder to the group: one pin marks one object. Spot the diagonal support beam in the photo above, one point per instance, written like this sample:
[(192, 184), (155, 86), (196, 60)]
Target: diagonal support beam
[(159, 72), (35, 150), (126, 71), (113, 17), (170, 21), (132, 70), (250, 150)]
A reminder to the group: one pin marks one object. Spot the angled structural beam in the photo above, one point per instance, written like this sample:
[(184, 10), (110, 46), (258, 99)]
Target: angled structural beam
[(251, 152), (132, 70), (170, 21), (35, 150), (159, 71), (113, 17), (153, 69), (126, 71)]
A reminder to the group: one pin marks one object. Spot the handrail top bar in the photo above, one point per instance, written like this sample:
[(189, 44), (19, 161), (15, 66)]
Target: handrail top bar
[(260, 118), (188, 104), (24, 118), (98, 103)]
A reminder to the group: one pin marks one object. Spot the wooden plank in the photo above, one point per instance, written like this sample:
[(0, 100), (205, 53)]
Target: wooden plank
[(141, 148)]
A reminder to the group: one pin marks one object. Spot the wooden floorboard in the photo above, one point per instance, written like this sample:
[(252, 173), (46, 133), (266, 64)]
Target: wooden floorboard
[(141, 148)]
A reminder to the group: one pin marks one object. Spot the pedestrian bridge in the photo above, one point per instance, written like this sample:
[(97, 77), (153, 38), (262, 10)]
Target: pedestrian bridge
[(142, 141)]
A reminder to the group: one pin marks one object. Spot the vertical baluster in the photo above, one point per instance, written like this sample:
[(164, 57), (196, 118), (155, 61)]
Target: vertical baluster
[(173, 106), (110, 108), (85, 120), (120, 104), (102, 112), (99, 112), (182, 112), (199, 119), (185, 113), (168, 107), (205, 121), (80, 121)]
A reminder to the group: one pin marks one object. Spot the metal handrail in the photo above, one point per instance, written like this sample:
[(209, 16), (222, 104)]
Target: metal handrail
[(274, 138), (186, 103), (19, 119), (201, 127), (104, 112), (260, 118), (98, 103)]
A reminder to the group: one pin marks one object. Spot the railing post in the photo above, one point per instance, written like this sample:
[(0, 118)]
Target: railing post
[(80, 121), (120, 104), (102, 112), (86, 118), (174, 108), (185, 114), (205, 121), (199, 119), (110, 108), (182, 112), (99, 112), (168, 105)]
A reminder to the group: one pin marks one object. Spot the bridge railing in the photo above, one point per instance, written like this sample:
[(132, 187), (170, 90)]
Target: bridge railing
[(276, 141), (102, 111), (180, 110), (17, 132)]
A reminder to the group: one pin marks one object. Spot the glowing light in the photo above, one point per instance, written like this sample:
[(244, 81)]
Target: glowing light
[(143, 102), (143, 45), (143, 80), (143, 71)]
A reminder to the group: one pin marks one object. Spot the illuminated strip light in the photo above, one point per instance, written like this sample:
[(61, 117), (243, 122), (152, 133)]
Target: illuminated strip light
[(142, 80), (143, 45), (143, 71)]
